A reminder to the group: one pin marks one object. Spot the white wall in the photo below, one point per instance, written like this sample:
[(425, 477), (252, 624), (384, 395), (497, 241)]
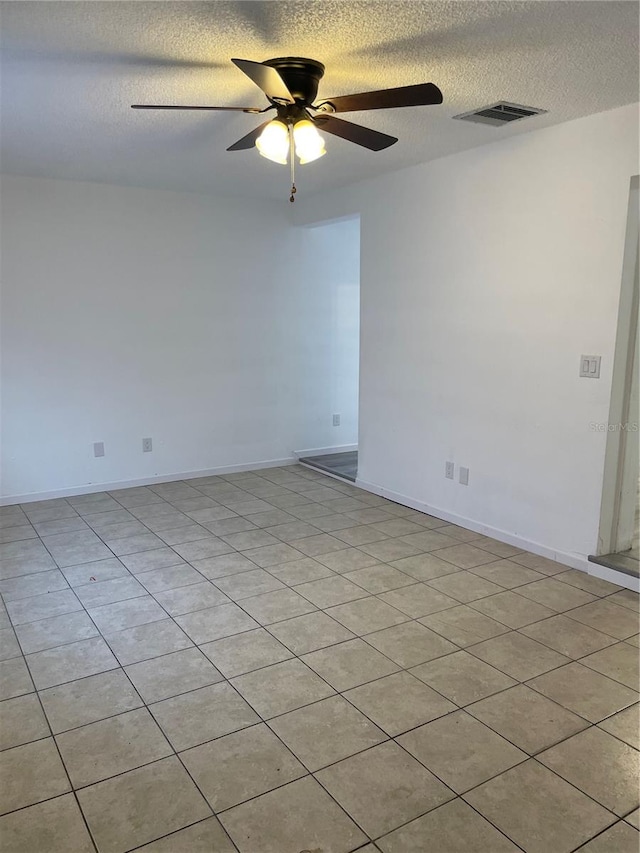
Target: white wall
[(129, 313), (329, 328), (484, 277)]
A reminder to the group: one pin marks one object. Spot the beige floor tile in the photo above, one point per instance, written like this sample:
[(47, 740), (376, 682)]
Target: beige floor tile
[(292, 530), (463, 625), (349, 664), (246, 652), (172, 674), (9, 647), (620, 838), (625, 725), (567, 636), (148, 641), (55, 826), (431, 540), (627, 598), (297, 686), (619, 662), (410, 644), (506, 573), (383, 788), (189, 533), (452, 828), (493, 546), (462, 678), (300, 571), (35, 607), (108, 591), (126, 614), (132, 544), (589, 583), (246, 584), (277, 606), (21, 721), (146, 561), (418, 600), (424, 567), (55, 631), (90, 573), (539, 811), (240, 766), (366, 615), (141, 805), (30, 774), (299, 816), (202, 548), (206, 836), (326, 732), (202, 715), (88, 700), (308, 633), (395, 526), (379, 578), (38, 584), (634, 819), (331, 591), (204, 626), (399, 702), (170, 577), (518, 656), (464, 556), (187, 599), (601, 766), (225, 564), (584, 691), (539, 564), (393, 549), (555, 595), (607, 617), (512, 609), (72, 549), (361, 534), (465, 586), (526, 718), (273, 555), (110, 747), (67, 663), (461, 751)]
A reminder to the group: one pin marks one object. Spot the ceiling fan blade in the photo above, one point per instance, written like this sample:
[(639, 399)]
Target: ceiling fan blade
[(176, 107), (404, 96), (371, 139), (267, 78), (249, 140)]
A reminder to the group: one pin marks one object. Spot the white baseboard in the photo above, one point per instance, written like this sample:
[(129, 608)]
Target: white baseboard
[(326, 451), (574, 561), (92, 488)]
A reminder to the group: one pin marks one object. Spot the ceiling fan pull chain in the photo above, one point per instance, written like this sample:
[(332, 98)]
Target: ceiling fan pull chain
[(293, 165)]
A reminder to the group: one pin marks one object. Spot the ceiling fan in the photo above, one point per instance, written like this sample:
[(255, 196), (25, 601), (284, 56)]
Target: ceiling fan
[(291, 86)]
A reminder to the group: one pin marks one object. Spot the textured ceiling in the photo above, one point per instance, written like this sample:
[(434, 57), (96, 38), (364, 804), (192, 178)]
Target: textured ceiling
[(70, 71)]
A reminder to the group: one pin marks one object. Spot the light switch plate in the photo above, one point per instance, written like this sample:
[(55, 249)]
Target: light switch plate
[(98, 448), (590, 366)]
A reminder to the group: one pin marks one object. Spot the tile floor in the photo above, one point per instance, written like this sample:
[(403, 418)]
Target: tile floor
[(278, 662)]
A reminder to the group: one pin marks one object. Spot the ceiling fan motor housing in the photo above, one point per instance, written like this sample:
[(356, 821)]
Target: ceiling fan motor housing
[(301, 76)]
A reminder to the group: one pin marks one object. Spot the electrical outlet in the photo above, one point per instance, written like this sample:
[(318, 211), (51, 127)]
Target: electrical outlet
[(464, 476), (448, 470), (336, 420), (147, 445), (98, 448)]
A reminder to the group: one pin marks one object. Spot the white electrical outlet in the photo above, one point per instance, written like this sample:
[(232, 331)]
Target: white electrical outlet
[(448, 470), (464, 476), (147, 445), (336, 420), (98, 448)]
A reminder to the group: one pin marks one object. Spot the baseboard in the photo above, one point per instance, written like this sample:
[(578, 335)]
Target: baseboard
[(573, 561), (326, 451), (91, 488)]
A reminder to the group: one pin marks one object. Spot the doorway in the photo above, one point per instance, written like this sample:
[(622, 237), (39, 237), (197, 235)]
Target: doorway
[(618, 543)]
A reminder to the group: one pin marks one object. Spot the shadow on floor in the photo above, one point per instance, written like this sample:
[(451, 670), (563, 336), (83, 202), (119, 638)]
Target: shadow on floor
[(343, 465)]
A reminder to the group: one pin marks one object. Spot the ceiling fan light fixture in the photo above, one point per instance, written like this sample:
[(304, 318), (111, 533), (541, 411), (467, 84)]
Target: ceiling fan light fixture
[(309, 143), (273, 142)]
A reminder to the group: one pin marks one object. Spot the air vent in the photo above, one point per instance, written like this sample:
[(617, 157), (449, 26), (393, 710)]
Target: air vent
[(500, 113)]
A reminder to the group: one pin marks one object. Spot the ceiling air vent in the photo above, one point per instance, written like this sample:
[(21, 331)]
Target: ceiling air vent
[(500, 113)]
